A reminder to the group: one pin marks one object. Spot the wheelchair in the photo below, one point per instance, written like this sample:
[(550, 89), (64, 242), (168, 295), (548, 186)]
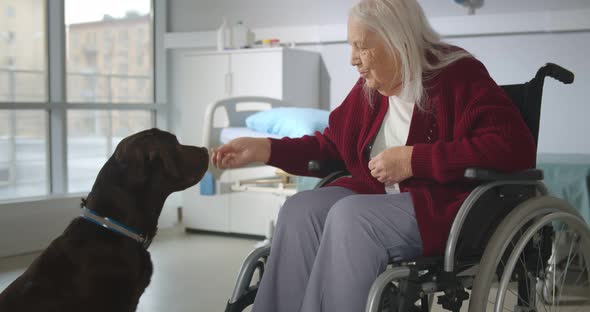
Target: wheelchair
[(511, 247)]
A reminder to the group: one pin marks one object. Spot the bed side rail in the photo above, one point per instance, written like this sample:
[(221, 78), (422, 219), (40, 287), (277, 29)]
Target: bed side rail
[(235, 114)]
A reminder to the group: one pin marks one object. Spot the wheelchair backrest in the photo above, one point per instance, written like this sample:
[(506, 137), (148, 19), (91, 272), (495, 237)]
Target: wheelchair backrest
[(496, 203), (527, 96)]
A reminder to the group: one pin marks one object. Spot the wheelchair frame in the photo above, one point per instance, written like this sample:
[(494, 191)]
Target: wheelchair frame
[(455, 271)]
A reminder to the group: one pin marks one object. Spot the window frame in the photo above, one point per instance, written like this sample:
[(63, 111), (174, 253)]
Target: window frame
[(56, 104)]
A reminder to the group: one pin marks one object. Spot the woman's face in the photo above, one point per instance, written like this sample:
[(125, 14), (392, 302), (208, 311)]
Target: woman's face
[(372, 59)]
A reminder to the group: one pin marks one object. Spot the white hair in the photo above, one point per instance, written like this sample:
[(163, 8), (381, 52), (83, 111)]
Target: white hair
[(408, 35)]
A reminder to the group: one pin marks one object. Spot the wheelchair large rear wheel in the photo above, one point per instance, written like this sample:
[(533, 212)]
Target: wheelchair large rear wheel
[(537, 260)]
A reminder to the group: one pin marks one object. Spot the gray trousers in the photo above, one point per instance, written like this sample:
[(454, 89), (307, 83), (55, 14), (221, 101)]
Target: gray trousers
[(330, 245)]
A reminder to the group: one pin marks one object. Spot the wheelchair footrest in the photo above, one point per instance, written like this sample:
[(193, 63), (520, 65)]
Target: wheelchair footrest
[(453, 299)]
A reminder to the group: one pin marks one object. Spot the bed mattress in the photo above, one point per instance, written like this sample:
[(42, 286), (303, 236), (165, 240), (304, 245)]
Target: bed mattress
[(228, 134)]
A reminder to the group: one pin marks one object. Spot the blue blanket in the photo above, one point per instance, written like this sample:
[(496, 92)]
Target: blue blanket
[(567, 176)]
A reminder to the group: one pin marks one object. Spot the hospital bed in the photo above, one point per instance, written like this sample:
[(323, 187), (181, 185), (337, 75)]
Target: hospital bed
[(225, 120), (244, 200)]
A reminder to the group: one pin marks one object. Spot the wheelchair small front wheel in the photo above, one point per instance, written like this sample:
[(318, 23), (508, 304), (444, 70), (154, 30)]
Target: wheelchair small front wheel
[(392, 292)]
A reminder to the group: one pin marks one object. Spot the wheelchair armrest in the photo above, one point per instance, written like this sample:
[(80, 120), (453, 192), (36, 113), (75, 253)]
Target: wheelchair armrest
[(326, 166), (480, 174), (333, 170)]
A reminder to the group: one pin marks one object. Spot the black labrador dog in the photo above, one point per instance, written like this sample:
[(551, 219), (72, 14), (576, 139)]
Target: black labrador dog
[(100, 262)]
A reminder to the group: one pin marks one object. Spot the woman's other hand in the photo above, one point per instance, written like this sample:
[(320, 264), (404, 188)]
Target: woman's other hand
[(240, 152), (393, 165)]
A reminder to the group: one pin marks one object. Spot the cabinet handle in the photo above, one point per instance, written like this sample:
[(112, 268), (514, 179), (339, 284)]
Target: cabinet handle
[(227, 84), (231, 83)]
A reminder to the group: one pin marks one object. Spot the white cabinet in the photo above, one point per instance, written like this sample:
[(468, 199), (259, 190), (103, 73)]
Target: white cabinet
[(258, 74), (251, 212), (196, 82), (198, 78)]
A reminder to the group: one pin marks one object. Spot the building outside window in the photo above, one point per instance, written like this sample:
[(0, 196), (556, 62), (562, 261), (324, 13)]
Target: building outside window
[(23, 79), (105, 71)]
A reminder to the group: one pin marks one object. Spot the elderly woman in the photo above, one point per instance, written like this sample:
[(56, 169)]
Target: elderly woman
[(421, 113)]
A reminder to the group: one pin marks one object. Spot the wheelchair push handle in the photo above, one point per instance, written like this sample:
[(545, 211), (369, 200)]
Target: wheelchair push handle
[(556, 72)]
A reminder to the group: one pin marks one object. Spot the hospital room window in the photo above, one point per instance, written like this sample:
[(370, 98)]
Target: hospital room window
[(23, 82), (93, 136), (106, 71), (23, 63), (115, 22)]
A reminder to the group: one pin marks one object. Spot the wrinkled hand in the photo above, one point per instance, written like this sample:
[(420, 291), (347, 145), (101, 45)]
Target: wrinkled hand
[(240, 152), (393, 165)]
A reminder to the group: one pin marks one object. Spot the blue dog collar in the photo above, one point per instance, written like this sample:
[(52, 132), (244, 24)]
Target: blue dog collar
[(114, 226)]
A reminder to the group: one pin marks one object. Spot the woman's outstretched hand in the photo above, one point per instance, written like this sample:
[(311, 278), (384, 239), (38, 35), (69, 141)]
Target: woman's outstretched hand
[(240, 152), (393, 165)]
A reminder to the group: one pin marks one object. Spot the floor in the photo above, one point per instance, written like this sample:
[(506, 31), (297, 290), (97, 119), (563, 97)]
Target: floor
[(192, 272)]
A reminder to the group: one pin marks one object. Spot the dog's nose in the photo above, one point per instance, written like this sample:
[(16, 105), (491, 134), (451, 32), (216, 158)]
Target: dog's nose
[(204, 153)]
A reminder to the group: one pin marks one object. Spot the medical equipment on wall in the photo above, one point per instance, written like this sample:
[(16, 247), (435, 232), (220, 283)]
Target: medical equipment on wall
[(471, 4)]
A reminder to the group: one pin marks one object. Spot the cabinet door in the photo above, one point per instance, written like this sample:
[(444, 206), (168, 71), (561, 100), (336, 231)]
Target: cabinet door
[(199, 81), (252, 212), (257, 74), (200, 212)]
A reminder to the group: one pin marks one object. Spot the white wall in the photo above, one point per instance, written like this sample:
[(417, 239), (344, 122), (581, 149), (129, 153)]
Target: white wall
[(30, 225), (198, 15), (565, 110)]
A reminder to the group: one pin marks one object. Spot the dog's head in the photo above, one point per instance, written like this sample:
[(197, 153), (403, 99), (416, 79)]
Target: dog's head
[(155, 160)]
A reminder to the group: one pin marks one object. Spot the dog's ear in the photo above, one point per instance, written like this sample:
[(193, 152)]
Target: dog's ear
[(133, 162), (136, 172), (169, 163)]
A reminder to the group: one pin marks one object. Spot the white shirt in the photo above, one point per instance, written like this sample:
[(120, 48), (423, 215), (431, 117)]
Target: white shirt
[(394, 131)]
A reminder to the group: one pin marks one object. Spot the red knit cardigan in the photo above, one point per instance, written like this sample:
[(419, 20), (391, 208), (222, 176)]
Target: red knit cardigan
[(469, 122)]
